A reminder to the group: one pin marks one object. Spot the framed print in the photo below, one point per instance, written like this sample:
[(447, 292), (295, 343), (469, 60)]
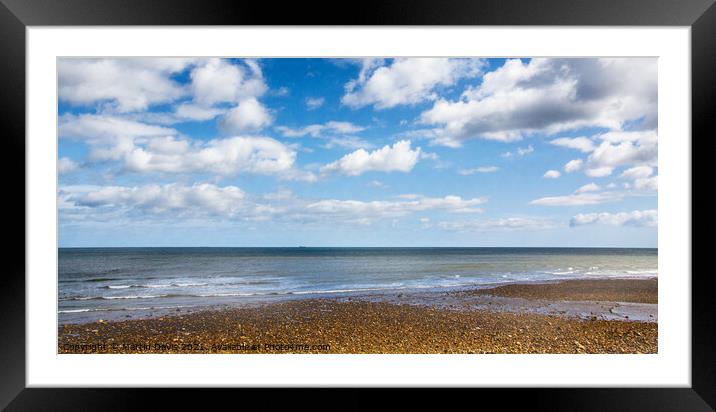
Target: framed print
[(428, 197)]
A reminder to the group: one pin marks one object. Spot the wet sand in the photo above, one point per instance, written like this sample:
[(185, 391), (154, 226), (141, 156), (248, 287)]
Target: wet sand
[(611, 290), (446, 322)]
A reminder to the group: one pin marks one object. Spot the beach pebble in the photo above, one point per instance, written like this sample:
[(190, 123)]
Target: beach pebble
[(362, 326)]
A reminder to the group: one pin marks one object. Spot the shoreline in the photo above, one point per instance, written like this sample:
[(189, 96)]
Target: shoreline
[(515, 318), (431, 295)]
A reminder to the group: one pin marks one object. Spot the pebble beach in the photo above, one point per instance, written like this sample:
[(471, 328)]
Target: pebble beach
[(516, 318)]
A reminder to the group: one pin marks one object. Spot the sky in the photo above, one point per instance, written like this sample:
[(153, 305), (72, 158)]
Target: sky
[(357, 152)]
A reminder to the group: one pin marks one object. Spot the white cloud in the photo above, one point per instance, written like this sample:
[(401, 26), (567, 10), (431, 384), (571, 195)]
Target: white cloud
[(521, 151), (281, 92), (647, 183), (637, 172), (219, 81), (185, 112), (248, 116), (641, 177), (121, 84), (634, 218), (590, 187), (410, 196), (436, 138), (352, 209), (313, 103), (377, 183), (592, 194), (230, 156), (157, 199), (214, 84), (100, 127), (348, 142), (110, 138), (144, 148), (429, 156), (578, 199), (502, 224), (552, 174), (481, 169), (207, 200), (195, 112), (134, 84), (599, 172), (582, 144), (406, 81), (573, 165), (318, 130), (399, 157), (333, 132), (620, 148), (65, 165), (549, 96)]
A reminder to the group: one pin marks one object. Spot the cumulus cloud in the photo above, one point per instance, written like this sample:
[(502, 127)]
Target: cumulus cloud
[(405, 81), (502, 224), (641, 178), (396, 158), (219, 87), (65, 165), (550, 96), (120, 84), (109, 137), (481, 169), (598, 171), (609, 151), (249, 116), (583, 144), (134, 85), (637, 172), (647, 183), (620, 148), (146, 148), (573, 165), (230, 156), (219, 81), (634, 218), (552, 174)]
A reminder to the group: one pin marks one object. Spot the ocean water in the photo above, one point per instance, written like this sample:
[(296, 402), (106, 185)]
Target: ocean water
[(110, 283)]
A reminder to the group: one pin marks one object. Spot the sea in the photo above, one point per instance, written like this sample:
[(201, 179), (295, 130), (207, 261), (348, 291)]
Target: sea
[(122, 283)]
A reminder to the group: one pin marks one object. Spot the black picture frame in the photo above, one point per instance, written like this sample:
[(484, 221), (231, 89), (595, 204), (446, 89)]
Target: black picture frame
[(16, 15)]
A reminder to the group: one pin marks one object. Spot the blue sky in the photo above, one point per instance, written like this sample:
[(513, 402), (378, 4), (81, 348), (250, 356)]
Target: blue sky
[(357, 152)]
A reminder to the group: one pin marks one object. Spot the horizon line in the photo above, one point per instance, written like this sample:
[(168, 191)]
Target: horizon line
[(357, 247)]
